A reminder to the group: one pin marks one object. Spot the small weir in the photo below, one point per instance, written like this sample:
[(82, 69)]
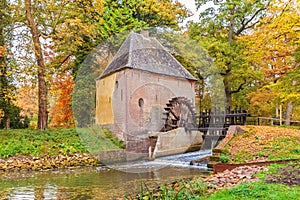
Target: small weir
[(183, 160), (179, 160)]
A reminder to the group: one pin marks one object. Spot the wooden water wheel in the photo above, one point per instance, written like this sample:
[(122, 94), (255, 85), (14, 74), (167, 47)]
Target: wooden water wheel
[(179, 112)]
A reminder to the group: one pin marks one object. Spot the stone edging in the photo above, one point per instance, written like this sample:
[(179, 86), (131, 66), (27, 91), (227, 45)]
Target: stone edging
[(220, 167)]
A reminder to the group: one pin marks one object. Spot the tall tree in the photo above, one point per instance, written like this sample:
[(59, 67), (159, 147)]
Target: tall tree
[(219, 26), (6, 88), (42, 88), (10, 113), (64, 32), (272, 48), (86, 24), (3, 64)]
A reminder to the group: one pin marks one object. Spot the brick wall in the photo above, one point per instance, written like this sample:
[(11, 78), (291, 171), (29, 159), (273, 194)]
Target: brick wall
[(139, 99)]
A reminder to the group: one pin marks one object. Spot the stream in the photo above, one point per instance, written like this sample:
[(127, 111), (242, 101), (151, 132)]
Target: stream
[(99, 182)]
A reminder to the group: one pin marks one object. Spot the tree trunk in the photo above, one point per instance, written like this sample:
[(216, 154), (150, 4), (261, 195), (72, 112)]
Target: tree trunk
[(231, 28), (227, 87), (7, 123), (226, 81), (289, 111), (42, 89), (289, 108)]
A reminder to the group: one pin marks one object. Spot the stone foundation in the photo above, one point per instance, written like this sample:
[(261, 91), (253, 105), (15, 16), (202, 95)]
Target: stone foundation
[(174, 142)]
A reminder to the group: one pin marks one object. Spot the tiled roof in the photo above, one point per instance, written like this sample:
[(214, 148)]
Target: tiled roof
[(145, 53)]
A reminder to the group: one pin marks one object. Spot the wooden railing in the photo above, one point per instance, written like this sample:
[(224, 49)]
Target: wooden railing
[(272, 121), (216, 121)]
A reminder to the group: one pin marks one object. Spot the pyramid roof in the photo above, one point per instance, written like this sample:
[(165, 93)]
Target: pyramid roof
[(145, 53)]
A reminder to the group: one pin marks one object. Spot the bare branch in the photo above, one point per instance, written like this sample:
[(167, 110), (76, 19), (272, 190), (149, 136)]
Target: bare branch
[(244, 25)]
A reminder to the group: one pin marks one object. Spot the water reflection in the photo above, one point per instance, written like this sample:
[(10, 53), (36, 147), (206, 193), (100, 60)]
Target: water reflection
[(96, 182), (84, 183)]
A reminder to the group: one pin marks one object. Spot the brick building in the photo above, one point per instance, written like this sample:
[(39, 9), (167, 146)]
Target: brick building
[(136, 86)]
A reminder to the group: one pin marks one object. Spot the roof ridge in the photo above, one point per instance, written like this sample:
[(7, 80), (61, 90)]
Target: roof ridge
[(130, 47), (148, 54)]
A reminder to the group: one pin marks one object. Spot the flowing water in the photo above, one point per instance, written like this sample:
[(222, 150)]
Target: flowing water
[(98, 182)]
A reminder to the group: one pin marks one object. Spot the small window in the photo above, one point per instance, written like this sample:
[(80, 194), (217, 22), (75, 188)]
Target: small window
[(117, 84), (141, 102)]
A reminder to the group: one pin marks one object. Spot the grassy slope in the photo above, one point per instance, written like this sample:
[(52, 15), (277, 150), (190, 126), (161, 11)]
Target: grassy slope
[(39, 143), (265, 142), (30, 142)]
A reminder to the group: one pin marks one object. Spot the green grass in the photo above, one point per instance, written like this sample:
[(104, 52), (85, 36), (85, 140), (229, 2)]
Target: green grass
[(199, 189), (276, 148), (248, 191), (99, 139), (30, 142), (285, 148), (184, 190), (257, 190)]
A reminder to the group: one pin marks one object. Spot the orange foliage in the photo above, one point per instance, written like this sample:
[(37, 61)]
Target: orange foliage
[(28, 101), (61, 114), (262, 102)]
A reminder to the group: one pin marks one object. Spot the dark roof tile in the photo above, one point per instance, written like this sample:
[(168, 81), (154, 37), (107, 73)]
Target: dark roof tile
[(144, 53)]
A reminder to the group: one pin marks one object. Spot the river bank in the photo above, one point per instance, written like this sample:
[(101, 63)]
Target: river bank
[(256, 143), (53, 149), (30, 149), (17, 163)]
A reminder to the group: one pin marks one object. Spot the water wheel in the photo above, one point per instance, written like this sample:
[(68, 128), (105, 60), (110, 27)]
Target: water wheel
[(179, 112)]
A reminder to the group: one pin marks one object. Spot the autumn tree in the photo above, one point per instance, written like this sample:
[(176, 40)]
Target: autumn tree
[(42, 88), (86, 24), (38, 20), (6, 87), (63, 33), (220, 25), (272, 49), (3, 64), (61, 110), (27, 99), (10, 113)]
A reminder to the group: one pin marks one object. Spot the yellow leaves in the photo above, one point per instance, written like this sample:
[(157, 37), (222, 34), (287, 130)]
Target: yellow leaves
[(166, 11), (2, 113), (27, 100), (262, 102), (271, 44)]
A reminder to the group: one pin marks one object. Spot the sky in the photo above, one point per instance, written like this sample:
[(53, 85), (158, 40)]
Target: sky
[(190, 4)]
